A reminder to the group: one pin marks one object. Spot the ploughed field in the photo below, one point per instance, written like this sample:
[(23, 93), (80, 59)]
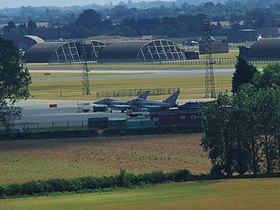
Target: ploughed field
[(26, 160)]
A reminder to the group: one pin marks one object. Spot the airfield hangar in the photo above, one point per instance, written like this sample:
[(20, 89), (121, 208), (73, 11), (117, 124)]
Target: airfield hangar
[(27, 41), (143, 50), (264, 49), (104, 50), (52, 52)]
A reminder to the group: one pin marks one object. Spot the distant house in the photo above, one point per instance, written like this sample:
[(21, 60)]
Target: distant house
[(214, 46), (267, 32)]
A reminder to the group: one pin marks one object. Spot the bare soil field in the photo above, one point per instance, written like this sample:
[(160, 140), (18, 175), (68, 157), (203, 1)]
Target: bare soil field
[(26, 160)]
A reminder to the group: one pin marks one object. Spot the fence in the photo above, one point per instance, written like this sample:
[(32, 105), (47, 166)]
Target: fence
[(77, 125), (192, 62), (135, 92)]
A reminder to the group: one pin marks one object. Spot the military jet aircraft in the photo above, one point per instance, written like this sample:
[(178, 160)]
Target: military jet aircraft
[(140, 103), (112, 102)]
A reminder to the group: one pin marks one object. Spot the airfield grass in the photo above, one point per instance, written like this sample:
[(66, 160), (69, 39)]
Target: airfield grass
[(221, 194), (190, 86), (26, 160), (73, 74)]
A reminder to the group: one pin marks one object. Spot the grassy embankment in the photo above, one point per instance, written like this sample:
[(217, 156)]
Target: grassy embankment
[(223, 194)]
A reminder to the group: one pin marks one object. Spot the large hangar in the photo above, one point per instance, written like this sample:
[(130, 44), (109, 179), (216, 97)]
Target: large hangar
[(263, 49), (143, 50), (28, 41), (58, 52)]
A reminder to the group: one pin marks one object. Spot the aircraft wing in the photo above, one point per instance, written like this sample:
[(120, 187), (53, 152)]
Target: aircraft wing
[(154, 107), (124, 106)]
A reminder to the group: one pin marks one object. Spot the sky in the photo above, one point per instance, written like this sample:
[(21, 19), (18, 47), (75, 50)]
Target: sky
[(60, 3)]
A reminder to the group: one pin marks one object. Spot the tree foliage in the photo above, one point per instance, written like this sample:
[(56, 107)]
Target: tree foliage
[(244, 73), (242, 132), (14, 81)]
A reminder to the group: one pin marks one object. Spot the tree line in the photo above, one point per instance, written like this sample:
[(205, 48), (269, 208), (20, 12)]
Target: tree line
[(242, 131), (177, 21)]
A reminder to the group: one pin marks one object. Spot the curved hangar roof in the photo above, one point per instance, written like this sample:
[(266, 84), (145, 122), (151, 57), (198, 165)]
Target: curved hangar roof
[(265, 48), (52, 52), (143, 50)]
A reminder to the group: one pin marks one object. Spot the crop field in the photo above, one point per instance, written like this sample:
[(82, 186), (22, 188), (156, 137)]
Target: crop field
[(235, 194), (26, 160), (190, 86)]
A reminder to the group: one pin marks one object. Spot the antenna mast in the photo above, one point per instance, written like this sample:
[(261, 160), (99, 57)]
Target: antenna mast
[(209, 72), (85, 82)]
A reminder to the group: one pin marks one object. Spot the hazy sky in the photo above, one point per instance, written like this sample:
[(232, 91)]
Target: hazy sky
[(63, 3)]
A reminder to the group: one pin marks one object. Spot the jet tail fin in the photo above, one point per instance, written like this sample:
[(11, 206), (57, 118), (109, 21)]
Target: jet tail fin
[(144, 95), (173, 98)]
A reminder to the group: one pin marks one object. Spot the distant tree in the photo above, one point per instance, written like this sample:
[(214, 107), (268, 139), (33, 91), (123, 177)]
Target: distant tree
[(11, 25), (90, 19), (244, 73), (31, 25), (14, 82)]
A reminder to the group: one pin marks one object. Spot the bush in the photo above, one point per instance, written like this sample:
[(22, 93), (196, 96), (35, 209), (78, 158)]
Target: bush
[(13, 189), (152, 178), (2, 192), (123, 179), (126, 179), (180, 175), (33, 187), (216, 171)]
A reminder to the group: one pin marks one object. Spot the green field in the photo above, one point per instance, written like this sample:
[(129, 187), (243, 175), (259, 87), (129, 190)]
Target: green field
[(223, 194), (190, 86), (73, 74)]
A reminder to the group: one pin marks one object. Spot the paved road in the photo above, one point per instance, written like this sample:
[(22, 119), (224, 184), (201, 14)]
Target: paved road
[(144, 74), (38, 111)]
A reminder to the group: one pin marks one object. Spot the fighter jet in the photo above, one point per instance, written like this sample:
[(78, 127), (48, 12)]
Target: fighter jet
[(112, 102), (139, 103)]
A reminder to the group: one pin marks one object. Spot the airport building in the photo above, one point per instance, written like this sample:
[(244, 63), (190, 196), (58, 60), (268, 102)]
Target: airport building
[(264, 49), (143, 50), (52, 52), (104, 50), (27, 41)]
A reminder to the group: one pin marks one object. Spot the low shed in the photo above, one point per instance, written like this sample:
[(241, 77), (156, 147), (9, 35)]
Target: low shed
[(190, 117)]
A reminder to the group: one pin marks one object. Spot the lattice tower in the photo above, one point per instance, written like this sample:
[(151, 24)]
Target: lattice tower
[(209, 70), (85, 82)]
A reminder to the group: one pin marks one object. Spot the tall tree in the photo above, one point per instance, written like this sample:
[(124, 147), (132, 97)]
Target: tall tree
[(217, 139), (14, 82), (269, 77), (244, 73)]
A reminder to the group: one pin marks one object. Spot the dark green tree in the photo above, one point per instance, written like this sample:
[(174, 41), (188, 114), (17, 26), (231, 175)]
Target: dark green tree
[(14, 82), (217, 138), (269, 77), (244, 73), (90, 19), (245, 129)]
